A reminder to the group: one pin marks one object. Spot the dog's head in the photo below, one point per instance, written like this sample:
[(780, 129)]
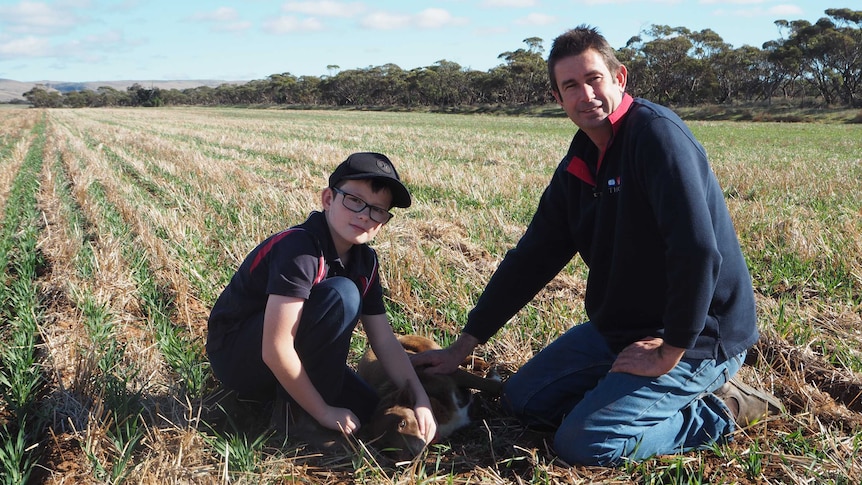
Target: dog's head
[(394, 429)]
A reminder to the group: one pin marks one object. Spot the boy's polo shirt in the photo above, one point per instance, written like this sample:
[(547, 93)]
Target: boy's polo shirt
[(289, 264)]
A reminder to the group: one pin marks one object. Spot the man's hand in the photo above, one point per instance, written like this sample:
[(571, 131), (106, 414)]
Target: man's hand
[(339, 419), (648, 357), (445, 361)]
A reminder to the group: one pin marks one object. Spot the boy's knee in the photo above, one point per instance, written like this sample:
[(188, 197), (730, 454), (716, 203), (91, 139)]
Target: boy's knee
[(340, 289), (340, 284)]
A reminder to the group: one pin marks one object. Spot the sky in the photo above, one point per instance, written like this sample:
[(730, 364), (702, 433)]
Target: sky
[(241, 40)]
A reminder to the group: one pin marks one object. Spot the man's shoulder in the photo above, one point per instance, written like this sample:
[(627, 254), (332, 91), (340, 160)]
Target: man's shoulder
[(647, 116), (643, 109)]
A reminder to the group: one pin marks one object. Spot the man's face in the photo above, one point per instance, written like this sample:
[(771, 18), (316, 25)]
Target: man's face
[(588, 91)]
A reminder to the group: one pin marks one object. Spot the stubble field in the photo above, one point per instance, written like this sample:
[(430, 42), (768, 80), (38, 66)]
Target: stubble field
[(119, 228)]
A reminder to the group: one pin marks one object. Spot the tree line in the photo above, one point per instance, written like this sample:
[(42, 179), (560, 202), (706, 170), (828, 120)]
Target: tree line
[(817, 64)]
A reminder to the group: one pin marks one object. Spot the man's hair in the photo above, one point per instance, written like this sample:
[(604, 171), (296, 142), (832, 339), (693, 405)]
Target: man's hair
[(575, 42)]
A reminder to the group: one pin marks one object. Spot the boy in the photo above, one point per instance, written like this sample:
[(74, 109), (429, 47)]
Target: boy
[(282, 327)]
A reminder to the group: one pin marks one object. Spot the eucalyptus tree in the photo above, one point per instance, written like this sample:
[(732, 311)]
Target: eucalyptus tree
[(844, 54), (280, 89), (526, 74), (741, 74), (40, 97), (826, 55), (667, 72), (306, 90)]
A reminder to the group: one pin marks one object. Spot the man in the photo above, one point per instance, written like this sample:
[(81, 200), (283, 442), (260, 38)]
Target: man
[(669, 298)]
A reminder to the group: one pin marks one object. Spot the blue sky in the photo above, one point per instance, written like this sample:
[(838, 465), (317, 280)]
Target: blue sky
[(100, 40)]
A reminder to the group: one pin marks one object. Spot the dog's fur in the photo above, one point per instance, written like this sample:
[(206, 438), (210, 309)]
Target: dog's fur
[(394, 428)]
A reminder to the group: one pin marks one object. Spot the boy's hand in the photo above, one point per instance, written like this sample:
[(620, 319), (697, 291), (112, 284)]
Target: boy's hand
[(339, 419), (427, 423)]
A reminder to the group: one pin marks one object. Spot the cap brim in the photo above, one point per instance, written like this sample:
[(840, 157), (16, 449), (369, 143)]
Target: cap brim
[(400, 195)]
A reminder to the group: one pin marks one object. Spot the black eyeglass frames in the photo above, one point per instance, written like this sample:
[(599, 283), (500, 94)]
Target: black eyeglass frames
[(355, 204)]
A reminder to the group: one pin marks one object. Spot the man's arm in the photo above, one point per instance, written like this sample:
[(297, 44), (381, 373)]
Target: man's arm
[(280, 323)]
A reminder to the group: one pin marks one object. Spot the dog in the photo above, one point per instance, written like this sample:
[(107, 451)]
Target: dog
[(393, 429)]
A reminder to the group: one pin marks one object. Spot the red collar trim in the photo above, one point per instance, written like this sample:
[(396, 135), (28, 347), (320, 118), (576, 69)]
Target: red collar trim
[(577, 166), (620, 112)]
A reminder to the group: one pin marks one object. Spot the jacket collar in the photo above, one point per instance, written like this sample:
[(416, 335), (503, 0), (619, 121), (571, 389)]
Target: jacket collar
[(577, 166)]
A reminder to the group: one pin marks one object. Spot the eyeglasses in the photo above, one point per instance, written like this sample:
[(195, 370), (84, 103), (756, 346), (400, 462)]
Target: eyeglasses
[(355, 204)]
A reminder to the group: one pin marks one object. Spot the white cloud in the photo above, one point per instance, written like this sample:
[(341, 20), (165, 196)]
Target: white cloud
[(232, 26), (536, 19), (732, 2), (385, 21), (109, 38), (288, 24), (223, 19), (435, 18), (324, 8), (221, 14), (785, 10), (36, 18), (624, 2), (25, 47), (431, 18), (508, 3)]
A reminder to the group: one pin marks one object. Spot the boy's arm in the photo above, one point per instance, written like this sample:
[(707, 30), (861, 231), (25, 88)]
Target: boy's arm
[(280, 323), (397, 365)]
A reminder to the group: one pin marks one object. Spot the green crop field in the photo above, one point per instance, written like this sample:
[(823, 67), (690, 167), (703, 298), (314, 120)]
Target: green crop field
[(119, 228)]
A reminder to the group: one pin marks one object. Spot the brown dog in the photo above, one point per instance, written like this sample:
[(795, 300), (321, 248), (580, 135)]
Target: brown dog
[(393, 428)]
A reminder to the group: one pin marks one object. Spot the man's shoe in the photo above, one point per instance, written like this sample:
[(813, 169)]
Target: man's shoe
[(747, 404)]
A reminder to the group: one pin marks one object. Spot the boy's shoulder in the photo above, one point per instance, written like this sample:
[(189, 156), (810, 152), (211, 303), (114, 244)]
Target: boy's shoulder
[(290, 243)]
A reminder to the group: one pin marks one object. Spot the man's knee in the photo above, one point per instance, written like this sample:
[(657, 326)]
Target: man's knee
[(520, 402), (587, 448)]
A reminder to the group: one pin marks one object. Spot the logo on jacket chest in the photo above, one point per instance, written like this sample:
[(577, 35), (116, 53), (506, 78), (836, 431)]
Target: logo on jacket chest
[(613, 187)]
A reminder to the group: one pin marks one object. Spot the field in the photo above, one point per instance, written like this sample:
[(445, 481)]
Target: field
[(119, 228)]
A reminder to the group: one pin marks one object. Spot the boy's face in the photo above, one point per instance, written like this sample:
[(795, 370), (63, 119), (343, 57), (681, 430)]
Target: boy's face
[(348, 227)]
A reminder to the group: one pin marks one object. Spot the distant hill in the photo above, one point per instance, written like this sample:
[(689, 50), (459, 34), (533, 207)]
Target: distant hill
[(11, 90)]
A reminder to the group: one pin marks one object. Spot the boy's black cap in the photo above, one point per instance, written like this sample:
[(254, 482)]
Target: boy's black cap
[(370, 165)]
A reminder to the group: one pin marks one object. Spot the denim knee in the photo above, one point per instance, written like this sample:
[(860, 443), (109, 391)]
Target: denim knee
[(328, 318), (340, 288), (335, 301), (583, 447)]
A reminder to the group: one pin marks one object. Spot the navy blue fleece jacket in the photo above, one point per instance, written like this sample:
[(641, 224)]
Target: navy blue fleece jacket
[(650, 222)]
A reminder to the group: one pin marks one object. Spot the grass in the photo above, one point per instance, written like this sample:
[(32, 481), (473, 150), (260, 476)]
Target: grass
[(139, 217), (21, 377)]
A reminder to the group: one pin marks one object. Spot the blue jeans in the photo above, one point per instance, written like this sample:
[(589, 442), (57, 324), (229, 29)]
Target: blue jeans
[(322, 341), (605, 418)]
